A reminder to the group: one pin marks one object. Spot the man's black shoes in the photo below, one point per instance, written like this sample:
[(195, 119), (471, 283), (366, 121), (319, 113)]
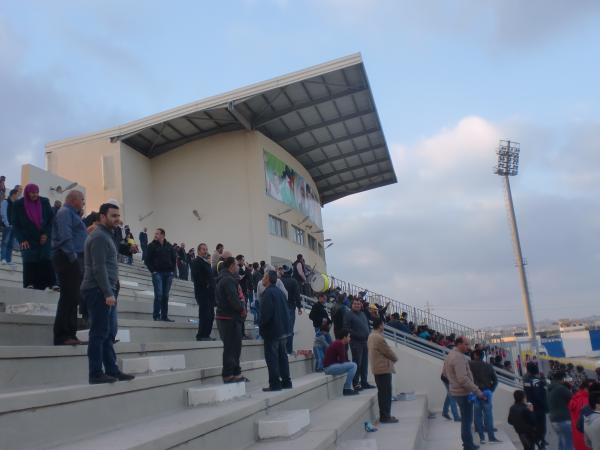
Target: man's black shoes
[(348, 392), (123, 376), (102, 379)]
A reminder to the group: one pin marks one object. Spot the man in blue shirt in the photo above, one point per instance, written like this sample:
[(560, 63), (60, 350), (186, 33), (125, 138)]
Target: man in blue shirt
[(68, 238)]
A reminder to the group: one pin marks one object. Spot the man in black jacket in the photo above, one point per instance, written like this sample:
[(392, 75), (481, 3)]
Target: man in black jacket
[(160, 260), (484, 377), (230, 317), (294, 302), (356, 321), (534, 386), (318, 314), (143, 238), (204, 291), (274, 328)]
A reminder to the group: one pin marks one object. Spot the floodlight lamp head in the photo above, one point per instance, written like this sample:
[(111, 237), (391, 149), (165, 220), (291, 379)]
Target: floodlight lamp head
[(508, 158)]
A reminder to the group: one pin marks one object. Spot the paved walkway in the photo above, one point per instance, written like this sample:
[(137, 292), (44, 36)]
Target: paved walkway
[(445, 435)]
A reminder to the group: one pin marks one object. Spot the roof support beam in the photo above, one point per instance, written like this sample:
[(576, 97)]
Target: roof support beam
[(239, 116), (353, 180), (345, 138), (178, 142), (284, 112), (342, 156), (317, 126), (350, 169)]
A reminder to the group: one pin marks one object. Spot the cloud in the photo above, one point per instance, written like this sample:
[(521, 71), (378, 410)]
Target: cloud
[(441, 234)]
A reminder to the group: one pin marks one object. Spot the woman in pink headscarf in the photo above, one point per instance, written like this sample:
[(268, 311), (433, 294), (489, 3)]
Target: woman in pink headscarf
[(32, 224)]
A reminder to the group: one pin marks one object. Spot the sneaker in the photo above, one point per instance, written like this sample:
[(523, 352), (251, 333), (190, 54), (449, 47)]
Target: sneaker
[(368, 386), (348, 392), (286, 386), (3, 262), (482, 441), (101, 379), (446, 416), (122, 376), (390, 419), (357, 387), (56, 288), (495, 441)]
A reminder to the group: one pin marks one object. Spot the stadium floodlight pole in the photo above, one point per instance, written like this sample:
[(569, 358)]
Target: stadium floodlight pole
[(508, 166)]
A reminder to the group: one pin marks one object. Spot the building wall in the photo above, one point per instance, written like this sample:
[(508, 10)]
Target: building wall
[(222, 177), (45, 180), (95, 164)]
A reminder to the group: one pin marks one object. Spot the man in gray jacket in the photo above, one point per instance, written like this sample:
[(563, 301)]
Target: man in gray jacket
[(461, 384), (100, 280), (356, 322)]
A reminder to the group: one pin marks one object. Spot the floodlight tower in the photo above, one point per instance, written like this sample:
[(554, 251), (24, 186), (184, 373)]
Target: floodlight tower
[(508, 166)]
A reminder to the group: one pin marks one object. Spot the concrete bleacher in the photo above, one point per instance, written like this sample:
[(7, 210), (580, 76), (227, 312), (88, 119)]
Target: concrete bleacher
[(177, 399)]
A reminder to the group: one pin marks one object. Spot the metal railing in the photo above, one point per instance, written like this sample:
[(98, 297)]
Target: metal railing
[(431, 349), (416, 315)]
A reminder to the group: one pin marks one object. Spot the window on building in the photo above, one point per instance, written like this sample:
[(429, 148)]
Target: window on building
[(312, 243), (278, 227), (321, 251), (298, 235)]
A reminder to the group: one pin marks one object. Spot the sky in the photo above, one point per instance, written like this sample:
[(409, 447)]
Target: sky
[(450, 78)]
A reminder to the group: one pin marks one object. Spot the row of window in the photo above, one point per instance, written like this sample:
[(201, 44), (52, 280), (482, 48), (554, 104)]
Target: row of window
[(279, 227)]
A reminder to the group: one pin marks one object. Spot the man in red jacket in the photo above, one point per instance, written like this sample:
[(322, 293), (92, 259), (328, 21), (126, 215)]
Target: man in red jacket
[(336, 360), (579, 401)]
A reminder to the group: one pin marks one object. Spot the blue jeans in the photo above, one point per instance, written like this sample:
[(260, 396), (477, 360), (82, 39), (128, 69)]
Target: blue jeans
[(162, 285), (290, 339), (563, 431), (449, 403), (484, 419), (319, 355), (466, 421), (349, 368), (8, 239), (103, 329)]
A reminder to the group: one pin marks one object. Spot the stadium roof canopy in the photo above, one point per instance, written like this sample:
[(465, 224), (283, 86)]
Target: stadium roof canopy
[(324, 116)]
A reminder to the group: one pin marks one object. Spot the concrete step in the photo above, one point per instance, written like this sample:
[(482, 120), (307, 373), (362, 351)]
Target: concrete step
[(338, 419), (283, 424), (152, 364), (53, 416), (16, 300), (38, 366), (215, 393)]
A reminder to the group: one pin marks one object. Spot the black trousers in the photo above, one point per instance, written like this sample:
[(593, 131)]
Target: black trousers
[(206, 312), (384, 395), (39, 274), (69, 277), (231, 335), (277, 363), (360, 355)]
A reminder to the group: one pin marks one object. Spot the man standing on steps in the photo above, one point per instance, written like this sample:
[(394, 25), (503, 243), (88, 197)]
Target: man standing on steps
[(204, 291), (485, 378), (230, 317), (274, 328), (161, 261), (461, 384), (294, 303), (144, 242), (382, 361), (356, 322), (68, 239), (100, 280)]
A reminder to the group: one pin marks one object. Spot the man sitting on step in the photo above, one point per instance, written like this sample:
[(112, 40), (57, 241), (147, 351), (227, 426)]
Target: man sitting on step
[(336, 360)]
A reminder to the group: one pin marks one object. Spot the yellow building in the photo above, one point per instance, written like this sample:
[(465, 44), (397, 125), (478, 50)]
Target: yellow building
[(250, 168)]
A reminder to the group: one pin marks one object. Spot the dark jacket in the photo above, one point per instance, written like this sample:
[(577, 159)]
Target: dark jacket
[(293, 289), (202, 277), (143, 239), (521, 419), (274, 314), (358, 325), (399, 325), (484, 375), (25, 230), (160, 258), (227, 296), (318, 314), (535, 390), (558, 402)]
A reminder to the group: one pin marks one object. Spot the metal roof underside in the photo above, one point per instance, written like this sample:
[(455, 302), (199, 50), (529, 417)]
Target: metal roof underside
[(328, 122)]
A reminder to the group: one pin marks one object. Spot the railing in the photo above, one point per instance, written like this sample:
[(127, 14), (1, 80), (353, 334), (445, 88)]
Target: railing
[(431, 349), (416, 315)]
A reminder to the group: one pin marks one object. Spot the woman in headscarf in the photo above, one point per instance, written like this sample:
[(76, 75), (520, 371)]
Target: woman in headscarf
[(32, 224)]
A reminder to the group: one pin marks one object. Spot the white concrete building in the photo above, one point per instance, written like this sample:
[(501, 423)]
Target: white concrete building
[(250, 168)]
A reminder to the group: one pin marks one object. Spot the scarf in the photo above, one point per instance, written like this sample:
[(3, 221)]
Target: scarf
[(33, 209)]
